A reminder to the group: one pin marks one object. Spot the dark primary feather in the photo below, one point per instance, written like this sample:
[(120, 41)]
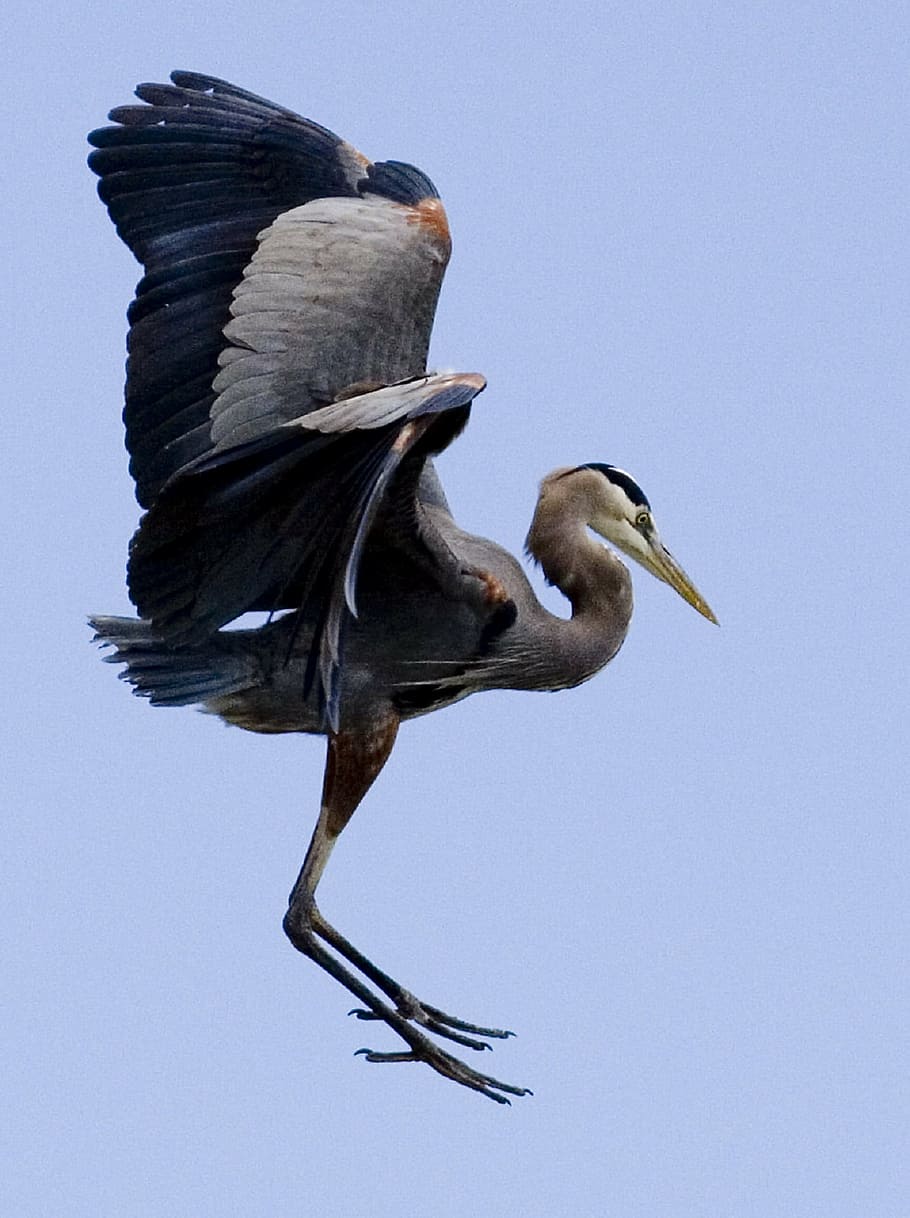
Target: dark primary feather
[(399, 181), (190, 178)]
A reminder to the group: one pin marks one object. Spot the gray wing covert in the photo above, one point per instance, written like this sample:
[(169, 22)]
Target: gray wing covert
[(339, 292)]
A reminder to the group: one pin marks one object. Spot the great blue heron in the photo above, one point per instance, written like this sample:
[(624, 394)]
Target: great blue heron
[(281, 424)]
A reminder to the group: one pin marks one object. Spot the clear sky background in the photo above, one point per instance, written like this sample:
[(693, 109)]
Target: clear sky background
[(680, 247)]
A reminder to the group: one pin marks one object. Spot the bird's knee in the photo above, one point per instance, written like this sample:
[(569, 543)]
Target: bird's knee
[(298, 924)]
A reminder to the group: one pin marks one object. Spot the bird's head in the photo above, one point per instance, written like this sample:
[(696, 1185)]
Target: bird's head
[(618, 510)]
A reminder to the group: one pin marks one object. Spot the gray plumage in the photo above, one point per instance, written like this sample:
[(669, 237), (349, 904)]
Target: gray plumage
[(281, 423)]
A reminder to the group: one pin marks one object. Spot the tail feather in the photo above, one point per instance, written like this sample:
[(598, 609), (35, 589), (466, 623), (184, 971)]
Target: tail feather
[(169, 675)]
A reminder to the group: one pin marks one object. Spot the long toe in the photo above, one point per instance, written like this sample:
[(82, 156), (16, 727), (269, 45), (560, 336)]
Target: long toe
[(451, 1068), (440, 1017), (435, 1026)]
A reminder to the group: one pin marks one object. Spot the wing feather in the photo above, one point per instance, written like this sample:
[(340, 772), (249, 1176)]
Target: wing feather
[(189, 178), (338, 291), (276, 395), (284, 518)]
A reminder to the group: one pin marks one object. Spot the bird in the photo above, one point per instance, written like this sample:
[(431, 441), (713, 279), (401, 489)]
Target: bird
[(282, 426)]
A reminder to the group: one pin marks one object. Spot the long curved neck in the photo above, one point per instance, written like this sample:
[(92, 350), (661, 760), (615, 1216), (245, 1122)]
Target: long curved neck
[(590, 576)]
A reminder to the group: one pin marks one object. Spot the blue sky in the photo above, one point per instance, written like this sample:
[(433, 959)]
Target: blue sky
[(680, 247)]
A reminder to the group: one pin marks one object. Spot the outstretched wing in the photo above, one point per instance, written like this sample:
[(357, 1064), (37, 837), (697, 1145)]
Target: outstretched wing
[(277, 355), (284, 518), (192, 176)]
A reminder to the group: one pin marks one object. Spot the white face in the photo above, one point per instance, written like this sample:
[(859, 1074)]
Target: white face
[(627, 525), (631, 528)]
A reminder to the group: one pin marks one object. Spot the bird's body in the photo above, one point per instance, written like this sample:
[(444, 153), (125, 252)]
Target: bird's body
[(282, 424), (411, 649)]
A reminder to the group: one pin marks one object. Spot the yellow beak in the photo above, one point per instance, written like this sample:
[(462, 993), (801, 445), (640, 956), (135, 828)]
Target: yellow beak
[(660, 562)]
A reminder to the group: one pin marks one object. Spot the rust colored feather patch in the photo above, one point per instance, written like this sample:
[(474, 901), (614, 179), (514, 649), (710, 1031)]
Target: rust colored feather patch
[(431, 215)]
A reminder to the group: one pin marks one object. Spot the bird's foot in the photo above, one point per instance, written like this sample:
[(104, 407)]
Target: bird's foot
[(423, 1050), (306, 926), (438, 1022)]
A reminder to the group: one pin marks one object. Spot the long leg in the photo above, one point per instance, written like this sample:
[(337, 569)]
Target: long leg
[(353, 761)]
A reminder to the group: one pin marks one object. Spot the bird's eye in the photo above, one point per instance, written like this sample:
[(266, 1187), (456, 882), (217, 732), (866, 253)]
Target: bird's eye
[(643, 520)]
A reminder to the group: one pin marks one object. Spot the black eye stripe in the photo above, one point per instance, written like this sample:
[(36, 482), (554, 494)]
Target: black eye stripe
[(621, 479)]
